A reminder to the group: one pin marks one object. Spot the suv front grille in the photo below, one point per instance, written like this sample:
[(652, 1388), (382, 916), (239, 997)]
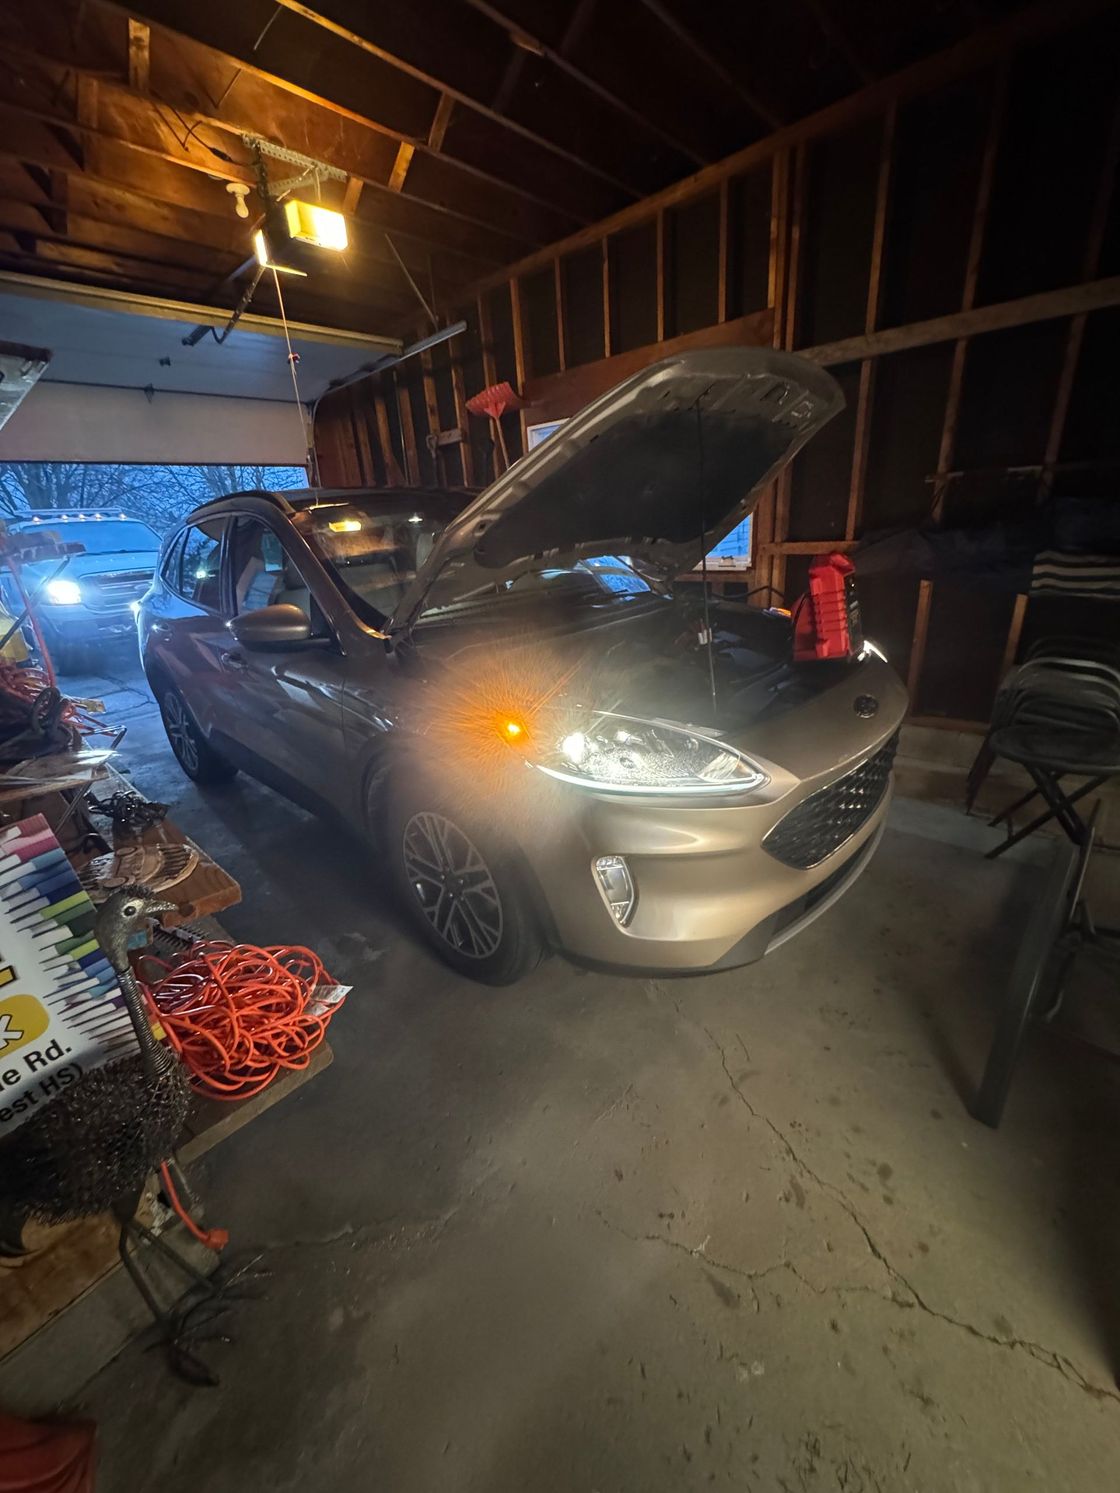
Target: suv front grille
[(115, 589), (825, 820)]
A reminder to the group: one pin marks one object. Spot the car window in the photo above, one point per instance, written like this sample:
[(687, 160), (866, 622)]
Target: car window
[(200, 559), (263, 572), (169, 570), (99, 535), (373, 556)]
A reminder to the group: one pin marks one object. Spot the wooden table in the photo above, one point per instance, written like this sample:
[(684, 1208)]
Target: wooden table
[(66, 1261)]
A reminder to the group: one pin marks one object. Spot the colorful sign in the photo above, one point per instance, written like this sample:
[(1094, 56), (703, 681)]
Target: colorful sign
[(61, 1008)]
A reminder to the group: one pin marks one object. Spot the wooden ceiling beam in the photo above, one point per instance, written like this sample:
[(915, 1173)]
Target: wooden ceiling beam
[(758, 106), (435, 77), (201, 100), (132, 271), (440, 120), (341, 72), (132, 127), (139, 55), (177, 205), (521, 37), (88, 233), (982, 49), (831, 28)]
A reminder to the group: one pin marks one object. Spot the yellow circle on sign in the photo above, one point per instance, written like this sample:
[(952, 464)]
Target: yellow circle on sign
[(22, 1020)]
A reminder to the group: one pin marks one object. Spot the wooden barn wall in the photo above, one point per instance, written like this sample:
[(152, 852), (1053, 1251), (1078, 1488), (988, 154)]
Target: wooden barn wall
[(947, 242)]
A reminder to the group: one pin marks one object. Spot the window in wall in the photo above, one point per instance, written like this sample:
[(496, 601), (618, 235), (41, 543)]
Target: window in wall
[(733, 552)]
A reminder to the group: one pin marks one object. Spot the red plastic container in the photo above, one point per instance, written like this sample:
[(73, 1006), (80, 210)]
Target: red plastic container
[(827, 623)]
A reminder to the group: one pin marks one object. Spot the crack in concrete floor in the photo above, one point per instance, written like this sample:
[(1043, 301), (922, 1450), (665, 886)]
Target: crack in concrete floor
[(1048, 1356)]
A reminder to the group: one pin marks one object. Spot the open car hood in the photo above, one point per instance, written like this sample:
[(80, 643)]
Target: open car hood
[(661, 468)]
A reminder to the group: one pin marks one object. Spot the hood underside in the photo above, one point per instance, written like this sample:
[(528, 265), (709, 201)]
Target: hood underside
[(661, 467)]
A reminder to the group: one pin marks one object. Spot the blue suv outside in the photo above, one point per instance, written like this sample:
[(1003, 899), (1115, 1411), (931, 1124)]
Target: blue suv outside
[(96, 594)]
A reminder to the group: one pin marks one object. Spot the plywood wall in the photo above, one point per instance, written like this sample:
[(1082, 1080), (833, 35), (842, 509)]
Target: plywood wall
[(948, 242)]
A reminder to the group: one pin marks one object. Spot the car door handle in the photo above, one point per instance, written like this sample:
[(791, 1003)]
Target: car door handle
[(233, 658)]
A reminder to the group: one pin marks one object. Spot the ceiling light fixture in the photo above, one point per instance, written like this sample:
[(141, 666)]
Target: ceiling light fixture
[(239, 191), (265, 260), (310, 223)]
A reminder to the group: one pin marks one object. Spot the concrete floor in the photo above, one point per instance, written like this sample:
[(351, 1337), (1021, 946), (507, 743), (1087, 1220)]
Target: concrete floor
[(621, 1236)]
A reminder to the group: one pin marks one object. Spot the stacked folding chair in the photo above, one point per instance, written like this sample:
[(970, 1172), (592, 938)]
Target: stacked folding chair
[(1058, 716)]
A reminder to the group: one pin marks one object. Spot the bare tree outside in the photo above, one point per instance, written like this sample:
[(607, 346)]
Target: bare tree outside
[(160, 496)]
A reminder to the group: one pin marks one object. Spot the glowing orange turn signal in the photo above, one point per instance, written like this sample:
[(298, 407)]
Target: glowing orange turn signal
[(511, 730)]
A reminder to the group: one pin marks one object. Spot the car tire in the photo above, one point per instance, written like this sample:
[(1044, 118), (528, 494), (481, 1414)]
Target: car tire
[(464, 890), (193, 752)]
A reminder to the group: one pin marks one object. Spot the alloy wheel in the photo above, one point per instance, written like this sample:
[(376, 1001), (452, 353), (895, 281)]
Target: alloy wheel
[(180, 731), (453, 885)]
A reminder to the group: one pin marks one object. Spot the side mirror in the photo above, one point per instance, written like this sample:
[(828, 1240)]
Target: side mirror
[(279, 626)]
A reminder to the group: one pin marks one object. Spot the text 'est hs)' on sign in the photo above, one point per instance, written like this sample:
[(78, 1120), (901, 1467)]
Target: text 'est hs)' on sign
[(61, 1009)]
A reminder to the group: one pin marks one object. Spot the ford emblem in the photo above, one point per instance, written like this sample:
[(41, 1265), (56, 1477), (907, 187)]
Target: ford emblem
[(865, 706)]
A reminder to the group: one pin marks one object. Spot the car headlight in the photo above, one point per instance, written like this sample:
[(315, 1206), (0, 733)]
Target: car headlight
[(64, 593), (618, 754)]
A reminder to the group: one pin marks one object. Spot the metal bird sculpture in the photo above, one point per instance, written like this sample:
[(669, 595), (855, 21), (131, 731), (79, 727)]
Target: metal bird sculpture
[(93, 1148)]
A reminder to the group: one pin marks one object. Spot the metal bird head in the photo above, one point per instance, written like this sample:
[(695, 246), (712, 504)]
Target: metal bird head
[(123, 913)]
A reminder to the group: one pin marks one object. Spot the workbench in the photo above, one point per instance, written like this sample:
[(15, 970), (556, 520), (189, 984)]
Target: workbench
[(66, 1261)]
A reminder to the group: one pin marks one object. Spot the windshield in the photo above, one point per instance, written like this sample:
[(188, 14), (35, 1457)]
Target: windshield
[(100, 536), (373, 556)]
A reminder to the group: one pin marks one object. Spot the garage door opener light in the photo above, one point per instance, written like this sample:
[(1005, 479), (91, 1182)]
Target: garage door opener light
[(311, 223), (265, 260)]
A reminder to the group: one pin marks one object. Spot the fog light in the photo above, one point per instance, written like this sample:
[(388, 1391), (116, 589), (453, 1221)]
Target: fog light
[(613, 875)]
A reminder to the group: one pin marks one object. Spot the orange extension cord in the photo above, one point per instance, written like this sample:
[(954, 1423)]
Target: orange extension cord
[(239, 1015)]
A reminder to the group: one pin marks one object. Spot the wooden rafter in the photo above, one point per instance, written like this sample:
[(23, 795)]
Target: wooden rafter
[(683, 34), (447, 194), (368, 44), (534, 43), (823, 13), (174, 206), (976, 52), (861, 445), (996, 115), (139, 55)]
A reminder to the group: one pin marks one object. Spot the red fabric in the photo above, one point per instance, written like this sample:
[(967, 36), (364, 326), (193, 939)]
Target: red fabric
[(497, 400), (46, 1457)]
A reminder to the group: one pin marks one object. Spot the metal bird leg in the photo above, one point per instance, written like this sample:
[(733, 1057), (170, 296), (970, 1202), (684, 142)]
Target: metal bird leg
[(170, 1322)]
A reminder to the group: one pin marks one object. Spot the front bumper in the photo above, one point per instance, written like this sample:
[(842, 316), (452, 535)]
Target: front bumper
[(81, 624), (709, 894)]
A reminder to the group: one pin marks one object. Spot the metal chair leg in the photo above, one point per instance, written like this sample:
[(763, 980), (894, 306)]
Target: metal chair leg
[(1026, 985)]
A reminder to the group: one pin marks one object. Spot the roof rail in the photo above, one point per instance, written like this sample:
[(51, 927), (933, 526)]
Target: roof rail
[(278, 498)]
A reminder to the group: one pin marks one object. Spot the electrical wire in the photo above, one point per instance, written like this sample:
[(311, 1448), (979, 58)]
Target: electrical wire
[(704, 558), (238, 1015), (215, 1239)]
